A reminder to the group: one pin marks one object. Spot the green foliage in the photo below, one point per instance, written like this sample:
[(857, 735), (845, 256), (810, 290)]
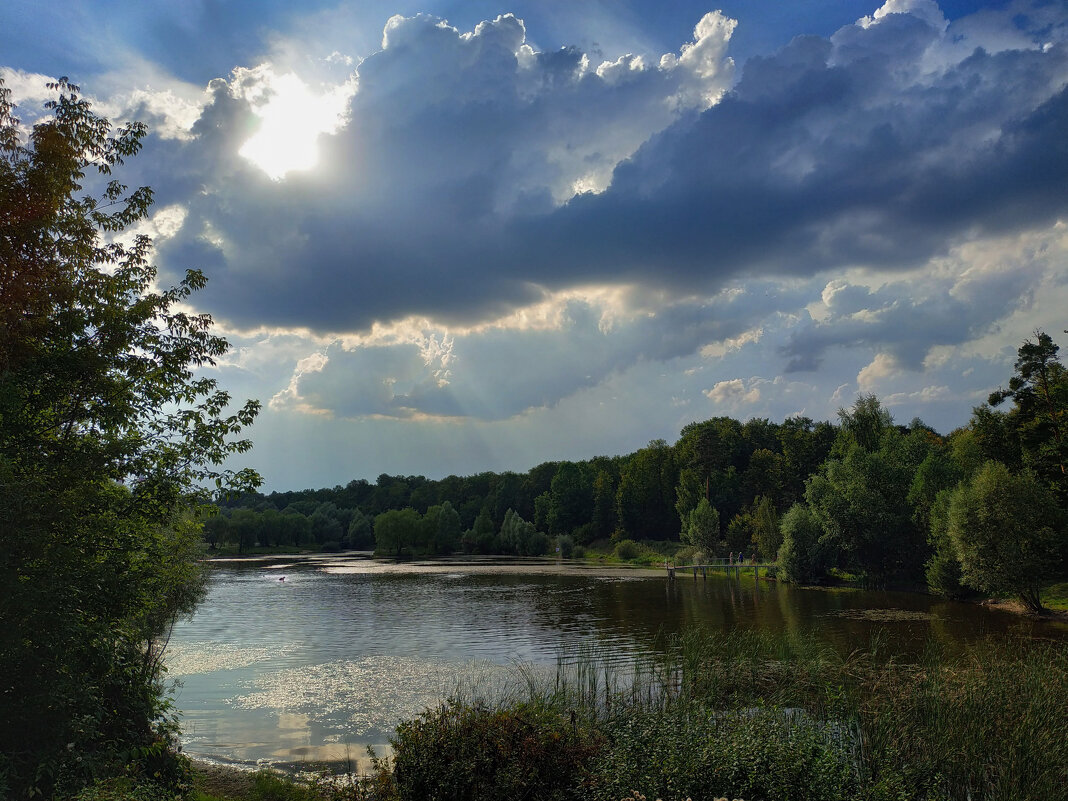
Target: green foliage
[(702, 527), (864, 425), (936, 473), (515, 535), (981, 725), (1039, 392), (646, 494), (398, 532), (749, 715), (361, 530), (696, 751), (801, 557), (106, 434), (943, 571), (445, 532), (766, 532), (739, 534), (1008, 532), (627, 550), (570, 499), (861, 499), (603, 521), (468, 752)]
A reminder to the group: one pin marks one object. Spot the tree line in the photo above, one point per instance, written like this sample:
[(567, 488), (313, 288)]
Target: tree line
[(981, 509), (746, 470)]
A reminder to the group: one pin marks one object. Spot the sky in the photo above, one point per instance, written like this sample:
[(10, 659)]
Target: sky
[(448, 237)]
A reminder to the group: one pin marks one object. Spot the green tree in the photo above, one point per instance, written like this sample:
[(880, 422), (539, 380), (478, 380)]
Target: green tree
[(739, 534), (481, 538), (397, 532), (861, 502), (106, 434), (804, 445), (361, 530), (865, 425), (1039, 392), (702, 527), (570, 499), (766, 533), (604, 505), (801, 556), (325, 528), (765, 476), (645, 497), (943, 570), (1008, 532), (448, 529)]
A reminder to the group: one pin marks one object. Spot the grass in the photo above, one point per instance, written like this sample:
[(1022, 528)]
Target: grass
[(749, 715), (1055, 596)]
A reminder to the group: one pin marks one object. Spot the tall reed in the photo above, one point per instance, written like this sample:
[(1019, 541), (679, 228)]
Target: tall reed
[(753, 715)]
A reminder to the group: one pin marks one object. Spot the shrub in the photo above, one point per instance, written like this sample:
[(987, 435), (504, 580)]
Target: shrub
[(464, 751), (628, 549), (800, 555), (538, 544), (566, 546)]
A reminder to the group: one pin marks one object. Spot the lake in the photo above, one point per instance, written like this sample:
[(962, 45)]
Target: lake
[(319, 665)]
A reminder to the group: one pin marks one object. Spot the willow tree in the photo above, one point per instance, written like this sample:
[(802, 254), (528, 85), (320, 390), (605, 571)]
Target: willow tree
[(1009, 534), (107, 438)]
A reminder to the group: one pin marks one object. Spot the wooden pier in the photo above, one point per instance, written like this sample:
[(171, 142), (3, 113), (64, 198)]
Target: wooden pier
[(725, 565)]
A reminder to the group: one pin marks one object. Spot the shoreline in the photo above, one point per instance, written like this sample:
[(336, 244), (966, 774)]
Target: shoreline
[(365, 562), (1015, 607)]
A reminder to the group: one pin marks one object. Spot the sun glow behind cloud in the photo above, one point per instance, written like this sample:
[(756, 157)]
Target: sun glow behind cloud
[(292, 116)]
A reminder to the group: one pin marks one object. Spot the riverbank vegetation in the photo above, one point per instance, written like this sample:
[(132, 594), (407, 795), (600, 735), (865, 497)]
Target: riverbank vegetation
[(745, 715)]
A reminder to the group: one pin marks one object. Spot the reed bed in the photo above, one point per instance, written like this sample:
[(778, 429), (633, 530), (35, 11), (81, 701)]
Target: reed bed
[(754, 716)]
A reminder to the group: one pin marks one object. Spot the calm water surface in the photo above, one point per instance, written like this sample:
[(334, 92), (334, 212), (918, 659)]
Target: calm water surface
[(324, 663)]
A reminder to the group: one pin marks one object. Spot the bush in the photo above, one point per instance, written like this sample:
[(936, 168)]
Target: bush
[(566, 545), (584, 534), (801, 557), (628, 549), (464, 751)]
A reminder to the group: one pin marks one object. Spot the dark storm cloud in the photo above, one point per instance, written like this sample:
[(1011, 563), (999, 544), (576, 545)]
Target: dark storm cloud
[(809, 166), (879, 147)]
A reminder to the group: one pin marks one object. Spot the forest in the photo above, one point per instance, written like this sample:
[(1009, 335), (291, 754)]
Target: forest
[(981, 509)]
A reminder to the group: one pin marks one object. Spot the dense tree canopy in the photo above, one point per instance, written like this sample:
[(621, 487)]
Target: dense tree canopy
[(1008, 533), (106, 432)]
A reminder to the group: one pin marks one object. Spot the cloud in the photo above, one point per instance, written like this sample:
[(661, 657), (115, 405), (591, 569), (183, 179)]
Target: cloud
[(961, 297), (521, 362), (465, 227), (472, 173), (734, 392), (450, 138)]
